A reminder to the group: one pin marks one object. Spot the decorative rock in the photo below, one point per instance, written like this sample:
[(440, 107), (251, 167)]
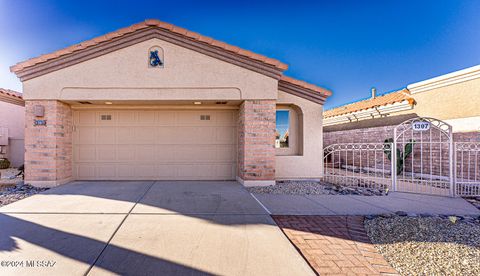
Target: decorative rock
[(21, 191), (302, 187)]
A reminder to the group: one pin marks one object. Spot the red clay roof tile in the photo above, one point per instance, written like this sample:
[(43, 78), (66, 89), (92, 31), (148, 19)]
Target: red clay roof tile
[(306, 85), (11, 93), (147, 23), (391, 98)]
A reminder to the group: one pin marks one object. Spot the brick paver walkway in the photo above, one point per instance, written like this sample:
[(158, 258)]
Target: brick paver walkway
[(335, 244)]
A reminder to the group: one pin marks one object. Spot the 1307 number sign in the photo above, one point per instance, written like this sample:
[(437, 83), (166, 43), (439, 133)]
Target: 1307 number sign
[(421, 126)]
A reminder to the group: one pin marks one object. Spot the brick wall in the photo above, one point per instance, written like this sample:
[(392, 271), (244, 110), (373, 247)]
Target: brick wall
[(256, 140), (48, 149)]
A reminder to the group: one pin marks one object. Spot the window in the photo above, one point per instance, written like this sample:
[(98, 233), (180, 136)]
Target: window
[(282, 128)]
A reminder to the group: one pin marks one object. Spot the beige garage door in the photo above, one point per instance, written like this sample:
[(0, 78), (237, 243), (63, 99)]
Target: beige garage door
[(155, 144)]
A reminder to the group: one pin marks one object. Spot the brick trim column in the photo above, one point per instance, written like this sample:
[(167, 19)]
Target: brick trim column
[(48, 149), (256, 142)]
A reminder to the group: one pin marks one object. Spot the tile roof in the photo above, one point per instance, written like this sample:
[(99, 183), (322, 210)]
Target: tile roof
[(142, 25), (394, 97), (11, 93), (306, 85)]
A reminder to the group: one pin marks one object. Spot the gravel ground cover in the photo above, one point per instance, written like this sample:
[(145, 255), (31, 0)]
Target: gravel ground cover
[(20, 191), (314, 188), (8, 177), (475, 201), (427, 245)]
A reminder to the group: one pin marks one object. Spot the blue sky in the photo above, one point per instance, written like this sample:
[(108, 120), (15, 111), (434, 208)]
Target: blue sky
[(345, 46)]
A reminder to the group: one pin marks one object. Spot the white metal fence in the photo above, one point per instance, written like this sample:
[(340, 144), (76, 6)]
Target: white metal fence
[(363, 165), (434, 164), (467, 164)]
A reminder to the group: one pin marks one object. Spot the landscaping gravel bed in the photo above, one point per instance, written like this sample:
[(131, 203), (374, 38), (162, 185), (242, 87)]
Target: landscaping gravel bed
[(475, 201), (314, 188), (427, 245), (11, 194)]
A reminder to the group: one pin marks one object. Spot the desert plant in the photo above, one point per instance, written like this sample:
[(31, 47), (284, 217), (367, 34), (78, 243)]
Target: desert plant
[(4, 163), (401, 156)]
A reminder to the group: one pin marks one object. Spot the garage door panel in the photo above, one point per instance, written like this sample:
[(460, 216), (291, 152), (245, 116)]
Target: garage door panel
[(226, 171), (85, 153), (155, 144), (85, 118), (145, 135), (167, 171), (225, 153), (146, 153), (125, 153), (165, 153), (125, 171), (106, 153), (165, 118), (125, 136), (166, 135), (85, 171), (105, 118), (84, 135), (225, 135), (194, 153), (105, 135), (105, 171), (126, 118), (195, 135), (145, 171), (146, 118), (194, 118), (225, 118)]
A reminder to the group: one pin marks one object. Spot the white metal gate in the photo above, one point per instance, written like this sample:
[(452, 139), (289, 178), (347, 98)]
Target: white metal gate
[(423, 157)]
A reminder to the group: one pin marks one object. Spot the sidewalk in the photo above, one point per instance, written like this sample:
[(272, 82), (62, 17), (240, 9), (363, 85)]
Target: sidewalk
[(364, 205)]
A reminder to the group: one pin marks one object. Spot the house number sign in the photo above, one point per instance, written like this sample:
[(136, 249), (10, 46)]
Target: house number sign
[(420, 126), (39, 122)]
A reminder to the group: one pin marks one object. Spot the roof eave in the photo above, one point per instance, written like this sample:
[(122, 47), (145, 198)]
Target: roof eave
[(272, 69)]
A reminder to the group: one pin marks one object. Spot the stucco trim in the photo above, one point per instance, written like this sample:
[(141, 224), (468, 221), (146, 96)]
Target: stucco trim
[(445, 80), (140, 36), (301, 92), (255, 183)]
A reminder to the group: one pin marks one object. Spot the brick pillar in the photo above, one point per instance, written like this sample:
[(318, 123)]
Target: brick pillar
[(256, 143), (48, 149)]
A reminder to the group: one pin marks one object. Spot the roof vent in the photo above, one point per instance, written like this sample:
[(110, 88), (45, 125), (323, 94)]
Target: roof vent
[(84, 102), (374, 92)]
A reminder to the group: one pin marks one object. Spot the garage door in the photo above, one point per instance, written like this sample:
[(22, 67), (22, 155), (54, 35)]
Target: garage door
[(155, 144)]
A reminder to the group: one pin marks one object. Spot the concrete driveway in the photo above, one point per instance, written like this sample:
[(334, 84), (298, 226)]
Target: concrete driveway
[(144, 228)]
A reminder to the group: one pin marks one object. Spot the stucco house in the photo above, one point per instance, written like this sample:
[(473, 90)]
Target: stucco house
[(12, 125), (154, 101)]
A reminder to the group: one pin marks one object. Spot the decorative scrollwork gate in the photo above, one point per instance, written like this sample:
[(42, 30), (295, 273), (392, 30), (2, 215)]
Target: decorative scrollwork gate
[(423, 157)]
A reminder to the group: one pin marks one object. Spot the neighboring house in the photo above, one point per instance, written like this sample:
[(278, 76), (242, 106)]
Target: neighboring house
[(453, 98), (12, 125), (157, 102)]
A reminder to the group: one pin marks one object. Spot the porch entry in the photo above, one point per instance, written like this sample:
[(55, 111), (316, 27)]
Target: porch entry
[(420, 157)]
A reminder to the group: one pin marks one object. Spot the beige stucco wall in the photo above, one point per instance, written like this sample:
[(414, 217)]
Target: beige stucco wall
[(125, 75), (12, 116), (460, 100), (310, 163)]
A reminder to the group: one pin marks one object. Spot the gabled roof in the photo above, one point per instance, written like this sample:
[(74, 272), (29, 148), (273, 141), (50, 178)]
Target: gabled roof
[(10, 96), (150, 28), (391, 98)]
